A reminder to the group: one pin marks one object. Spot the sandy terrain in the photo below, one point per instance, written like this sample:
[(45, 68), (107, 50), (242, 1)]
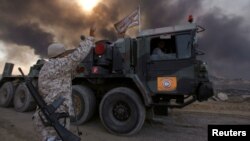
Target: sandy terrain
[(189, 124)]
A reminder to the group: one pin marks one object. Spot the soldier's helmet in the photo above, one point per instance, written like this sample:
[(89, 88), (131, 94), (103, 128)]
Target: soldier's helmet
[(55, 49)]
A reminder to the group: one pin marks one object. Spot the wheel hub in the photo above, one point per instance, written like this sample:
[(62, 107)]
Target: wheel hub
[(121, 111)]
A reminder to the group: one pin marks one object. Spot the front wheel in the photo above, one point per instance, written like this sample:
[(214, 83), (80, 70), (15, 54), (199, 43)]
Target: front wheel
[(122, 111)]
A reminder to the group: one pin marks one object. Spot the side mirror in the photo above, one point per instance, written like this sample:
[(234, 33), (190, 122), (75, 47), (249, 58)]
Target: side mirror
[(200, 29)]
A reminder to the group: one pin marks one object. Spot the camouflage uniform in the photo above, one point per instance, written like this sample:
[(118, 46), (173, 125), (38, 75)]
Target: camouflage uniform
[(55, 80)]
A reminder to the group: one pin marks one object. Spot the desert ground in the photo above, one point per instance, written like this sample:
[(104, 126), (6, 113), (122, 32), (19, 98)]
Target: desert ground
[(189, 124)]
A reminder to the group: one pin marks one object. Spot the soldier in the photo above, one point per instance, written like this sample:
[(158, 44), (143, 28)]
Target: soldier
[(159, 49), (55, 80)]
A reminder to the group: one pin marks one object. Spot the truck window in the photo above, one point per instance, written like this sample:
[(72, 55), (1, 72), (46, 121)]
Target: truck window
[(163, 49), (183, 43)]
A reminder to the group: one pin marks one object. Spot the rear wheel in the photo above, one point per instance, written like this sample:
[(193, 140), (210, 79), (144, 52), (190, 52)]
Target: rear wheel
[(23, 101), (122, 111), (84, 102), (6, 94)]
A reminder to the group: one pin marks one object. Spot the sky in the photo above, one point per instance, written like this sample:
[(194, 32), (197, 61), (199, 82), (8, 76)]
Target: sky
[(26, 29)]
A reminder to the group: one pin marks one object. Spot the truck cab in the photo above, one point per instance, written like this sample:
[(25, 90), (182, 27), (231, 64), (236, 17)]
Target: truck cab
[(169, 68)]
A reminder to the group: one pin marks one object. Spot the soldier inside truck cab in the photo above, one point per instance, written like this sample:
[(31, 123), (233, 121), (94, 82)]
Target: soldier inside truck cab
[(159, 50), (163, 48)]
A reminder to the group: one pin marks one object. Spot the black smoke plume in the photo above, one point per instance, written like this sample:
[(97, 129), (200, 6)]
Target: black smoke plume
[(227, 45), (37, 23)]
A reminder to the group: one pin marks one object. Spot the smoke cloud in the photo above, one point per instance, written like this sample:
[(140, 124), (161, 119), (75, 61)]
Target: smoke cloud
[(227, 45), (35, 24)]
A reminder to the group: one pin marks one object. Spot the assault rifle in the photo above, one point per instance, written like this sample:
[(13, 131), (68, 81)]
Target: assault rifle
[(49, 111)]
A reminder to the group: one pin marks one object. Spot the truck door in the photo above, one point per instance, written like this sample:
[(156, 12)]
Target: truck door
[(170, 68)]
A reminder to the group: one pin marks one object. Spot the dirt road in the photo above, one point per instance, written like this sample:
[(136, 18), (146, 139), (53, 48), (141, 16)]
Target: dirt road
[(189, 124)]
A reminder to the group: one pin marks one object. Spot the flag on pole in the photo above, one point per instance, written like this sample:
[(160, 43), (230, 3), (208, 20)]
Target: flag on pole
[(131, 20)]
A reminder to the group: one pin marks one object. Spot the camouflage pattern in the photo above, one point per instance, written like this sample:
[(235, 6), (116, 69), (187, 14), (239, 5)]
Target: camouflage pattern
[(55, 80)]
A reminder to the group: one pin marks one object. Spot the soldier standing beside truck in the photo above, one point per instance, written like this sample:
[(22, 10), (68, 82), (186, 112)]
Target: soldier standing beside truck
[(55, 81)]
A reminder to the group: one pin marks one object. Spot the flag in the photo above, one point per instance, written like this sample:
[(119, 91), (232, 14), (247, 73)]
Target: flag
[(131, 20)]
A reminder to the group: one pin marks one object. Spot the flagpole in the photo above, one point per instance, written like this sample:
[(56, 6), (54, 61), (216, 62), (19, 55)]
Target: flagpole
[(139, 16)]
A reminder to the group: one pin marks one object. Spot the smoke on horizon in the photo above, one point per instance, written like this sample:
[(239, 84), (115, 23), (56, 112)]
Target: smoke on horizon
[(36, 24)]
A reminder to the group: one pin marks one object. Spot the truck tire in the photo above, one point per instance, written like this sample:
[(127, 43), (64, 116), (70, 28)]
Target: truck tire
[(122, 111), (23, 101), (7, 94), (84, 102)]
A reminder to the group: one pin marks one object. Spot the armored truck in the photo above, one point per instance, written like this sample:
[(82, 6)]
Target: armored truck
[(125, 79)]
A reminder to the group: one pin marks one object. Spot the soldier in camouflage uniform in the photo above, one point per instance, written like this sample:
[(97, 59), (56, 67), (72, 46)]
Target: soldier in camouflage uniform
[(55, 80)]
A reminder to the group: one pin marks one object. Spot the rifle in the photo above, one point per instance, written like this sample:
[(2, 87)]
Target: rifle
[(49, 111)]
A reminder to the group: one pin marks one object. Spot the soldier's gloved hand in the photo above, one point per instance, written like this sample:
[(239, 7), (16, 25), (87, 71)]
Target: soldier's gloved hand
[(91, 38)]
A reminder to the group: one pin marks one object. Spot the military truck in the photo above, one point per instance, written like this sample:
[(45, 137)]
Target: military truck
[(126, 79)]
